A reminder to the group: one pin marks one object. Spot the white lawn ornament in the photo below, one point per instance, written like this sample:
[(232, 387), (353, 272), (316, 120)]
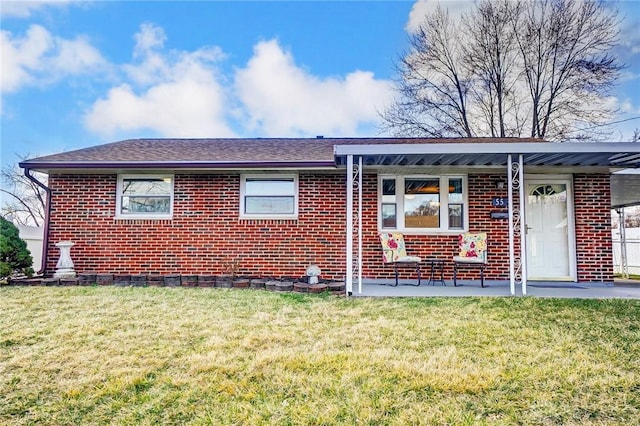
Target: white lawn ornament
[(313, 272), (65, 264)]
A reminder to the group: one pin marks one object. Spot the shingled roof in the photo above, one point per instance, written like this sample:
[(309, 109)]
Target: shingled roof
[(222, 153)]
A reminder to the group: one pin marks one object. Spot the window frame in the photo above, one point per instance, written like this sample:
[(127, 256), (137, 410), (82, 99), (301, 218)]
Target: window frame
[(144, 215), (269, 176), (444, 204)]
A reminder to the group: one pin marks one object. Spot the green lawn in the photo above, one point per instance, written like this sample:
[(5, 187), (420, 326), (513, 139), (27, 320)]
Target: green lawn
[(631, 276), (89, 355)]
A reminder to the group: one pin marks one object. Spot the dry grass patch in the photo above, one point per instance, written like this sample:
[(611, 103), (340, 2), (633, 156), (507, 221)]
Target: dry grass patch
[(214, 356)]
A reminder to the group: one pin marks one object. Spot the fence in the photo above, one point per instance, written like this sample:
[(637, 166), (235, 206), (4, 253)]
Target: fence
[(633, 256), (33, 237)]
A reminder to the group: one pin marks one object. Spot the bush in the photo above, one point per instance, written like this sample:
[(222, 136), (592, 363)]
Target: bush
[(14, 254)]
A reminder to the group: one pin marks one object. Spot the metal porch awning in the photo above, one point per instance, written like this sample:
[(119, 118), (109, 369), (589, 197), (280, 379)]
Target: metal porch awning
[(625, 189), (612, 155), (605, 157)]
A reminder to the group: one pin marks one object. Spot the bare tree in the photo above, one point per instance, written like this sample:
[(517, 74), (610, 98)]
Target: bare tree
[(26, 203), (568, 71), (508, 68), (433, 83), (491, 57)]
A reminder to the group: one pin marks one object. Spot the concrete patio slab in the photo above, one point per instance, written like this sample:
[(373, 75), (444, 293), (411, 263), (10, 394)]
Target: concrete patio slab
[(616, 290)]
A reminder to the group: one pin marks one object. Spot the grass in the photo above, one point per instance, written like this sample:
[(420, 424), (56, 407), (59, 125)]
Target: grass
[(89, 355), (631, 276)]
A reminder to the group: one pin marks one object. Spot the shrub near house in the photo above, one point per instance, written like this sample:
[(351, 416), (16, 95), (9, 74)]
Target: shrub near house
[(15, 257)]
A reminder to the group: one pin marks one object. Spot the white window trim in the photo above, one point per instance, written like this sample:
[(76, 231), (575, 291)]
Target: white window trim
[(444, 204), (120, 215), (243, 179)]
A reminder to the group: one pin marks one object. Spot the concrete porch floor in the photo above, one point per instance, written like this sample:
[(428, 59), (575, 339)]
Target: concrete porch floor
[(619, 289)]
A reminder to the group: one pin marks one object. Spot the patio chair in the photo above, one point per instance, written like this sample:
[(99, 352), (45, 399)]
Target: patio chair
[(394, 252), (473, 254)]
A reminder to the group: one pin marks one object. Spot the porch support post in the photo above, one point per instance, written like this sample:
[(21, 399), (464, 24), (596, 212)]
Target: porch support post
[(360, 208), (517, 225), (512, 259), (523, 227), (349, 242), (624, 268)]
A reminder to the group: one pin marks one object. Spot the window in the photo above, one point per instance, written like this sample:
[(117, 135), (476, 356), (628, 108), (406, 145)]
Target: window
[(422, 203), (456, 203), (389, 207), (145, 196), (269, 196)]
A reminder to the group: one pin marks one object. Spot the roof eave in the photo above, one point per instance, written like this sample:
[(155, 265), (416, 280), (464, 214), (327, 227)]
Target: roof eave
[(173, 165), (485, 148)]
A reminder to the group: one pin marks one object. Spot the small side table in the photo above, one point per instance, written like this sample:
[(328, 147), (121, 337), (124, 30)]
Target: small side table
[(436, 273)]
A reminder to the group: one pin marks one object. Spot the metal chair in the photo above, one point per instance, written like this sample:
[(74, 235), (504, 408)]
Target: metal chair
[(394, 252), (472, 254)]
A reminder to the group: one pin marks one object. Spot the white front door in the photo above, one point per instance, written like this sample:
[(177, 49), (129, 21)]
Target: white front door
[(550, 230)]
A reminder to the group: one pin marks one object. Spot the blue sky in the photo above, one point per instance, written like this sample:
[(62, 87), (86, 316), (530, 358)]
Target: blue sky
[(77, 74)]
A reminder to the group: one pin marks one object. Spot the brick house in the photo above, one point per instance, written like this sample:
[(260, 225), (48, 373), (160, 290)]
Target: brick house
[(275, 206)]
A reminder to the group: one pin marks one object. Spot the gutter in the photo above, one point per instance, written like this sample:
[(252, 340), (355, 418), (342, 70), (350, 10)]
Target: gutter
[(180, 165), (45, 239)]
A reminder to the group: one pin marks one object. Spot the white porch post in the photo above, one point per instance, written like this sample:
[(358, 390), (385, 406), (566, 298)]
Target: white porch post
[(624, 269), (360, 224), (517, 225), (512, 259), (523, 226), (349, 242)]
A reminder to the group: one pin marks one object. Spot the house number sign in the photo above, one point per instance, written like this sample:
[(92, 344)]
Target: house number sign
[(499, 202)]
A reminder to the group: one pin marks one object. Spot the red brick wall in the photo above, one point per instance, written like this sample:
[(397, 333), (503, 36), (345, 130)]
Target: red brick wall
[(441, 246), (593, 227), (205, 233)]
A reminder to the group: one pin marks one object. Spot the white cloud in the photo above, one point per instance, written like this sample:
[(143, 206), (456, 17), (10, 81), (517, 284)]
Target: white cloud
[(154, 66), (76, 57), (24, 9), (629, 13), (174, 109), (149, 37), (40, 58), (622, 126), (181, 94), (422, 7), (22, 56), (626, 106), (418, 11), (176, 93), (282, 99)]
